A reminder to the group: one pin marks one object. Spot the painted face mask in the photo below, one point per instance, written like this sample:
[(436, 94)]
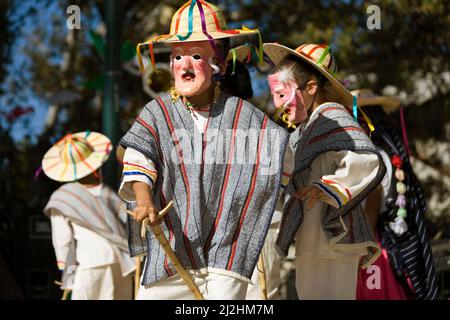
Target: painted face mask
[(192, 67), (287, 97)]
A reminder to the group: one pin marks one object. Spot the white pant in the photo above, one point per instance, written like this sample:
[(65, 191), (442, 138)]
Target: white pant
[(102, 283), (272, 268), (212, 286), (326, 279)]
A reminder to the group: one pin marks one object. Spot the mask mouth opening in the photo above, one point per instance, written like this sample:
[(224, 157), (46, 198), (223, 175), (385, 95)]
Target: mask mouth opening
[(188, 76)]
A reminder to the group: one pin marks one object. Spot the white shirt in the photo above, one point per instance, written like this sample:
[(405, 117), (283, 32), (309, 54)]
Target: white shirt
[(344, 174), (92, 250)]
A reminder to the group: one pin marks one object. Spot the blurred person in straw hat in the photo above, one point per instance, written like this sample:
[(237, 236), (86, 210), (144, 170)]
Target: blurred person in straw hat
[(335, 166), (216, 156), (395, 210), (88, 227)]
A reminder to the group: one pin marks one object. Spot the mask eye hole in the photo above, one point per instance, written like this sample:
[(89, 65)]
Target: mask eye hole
[(281, 95), (178, 57), (197, 57)]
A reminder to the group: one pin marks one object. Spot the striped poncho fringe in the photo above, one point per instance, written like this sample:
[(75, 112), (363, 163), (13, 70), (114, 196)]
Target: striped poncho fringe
[(334, 129), (410, 254), (98, 214), (223, 200)]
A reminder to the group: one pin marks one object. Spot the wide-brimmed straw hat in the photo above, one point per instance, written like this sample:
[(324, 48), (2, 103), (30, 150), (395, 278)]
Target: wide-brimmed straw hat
[(76, 156), (196, 20), (366, 97), (319, 57)]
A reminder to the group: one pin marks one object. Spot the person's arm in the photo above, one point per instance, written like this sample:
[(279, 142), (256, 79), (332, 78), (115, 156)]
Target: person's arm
[(138, 178), (354, 172), (144, 204), (136, 167), (62, 236)]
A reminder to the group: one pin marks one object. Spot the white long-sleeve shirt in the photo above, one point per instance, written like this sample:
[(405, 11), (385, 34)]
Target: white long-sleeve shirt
[(351, 173), (92, 250)]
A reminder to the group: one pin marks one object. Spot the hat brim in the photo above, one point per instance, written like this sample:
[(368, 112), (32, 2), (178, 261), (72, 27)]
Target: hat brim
[(389, 104), (56, 169), (278, 52)]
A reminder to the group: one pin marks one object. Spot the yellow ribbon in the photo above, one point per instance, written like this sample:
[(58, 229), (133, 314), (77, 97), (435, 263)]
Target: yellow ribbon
[(260, 50)]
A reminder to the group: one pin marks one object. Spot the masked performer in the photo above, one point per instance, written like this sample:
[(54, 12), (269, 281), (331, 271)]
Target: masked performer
[(88, 227), (216, 156), (335, 168)]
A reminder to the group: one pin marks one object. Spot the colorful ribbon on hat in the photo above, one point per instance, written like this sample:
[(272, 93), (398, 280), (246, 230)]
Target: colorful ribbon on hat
[(355, 108), (260, 50), (233, 53), (366, 118), (211, 40), (190, 22), (368, 121), (216, 20), (323, 56)]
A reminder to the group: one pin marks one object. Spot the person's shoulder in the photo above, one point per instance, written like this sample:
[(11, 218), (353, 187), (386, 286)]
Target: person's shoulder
[(331, 109), (246, 106), (164, 98), (67, 186)]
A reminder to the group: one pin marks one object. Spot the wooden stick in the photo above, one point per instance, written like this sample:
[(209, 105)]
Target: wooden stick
[(159, 234), (65, 291), (262, 277), (137, 276), (65, 294)]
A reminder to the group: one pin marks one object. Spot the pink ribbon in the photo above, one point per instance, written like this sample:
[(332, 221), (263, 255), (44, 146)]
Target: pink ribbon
[(205, 32), (404, 134)]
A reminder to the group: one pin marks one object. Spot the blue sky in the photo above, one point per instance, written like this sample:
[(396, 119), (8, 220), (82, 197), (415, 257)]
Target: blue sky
[(34, 123), (45, 14)]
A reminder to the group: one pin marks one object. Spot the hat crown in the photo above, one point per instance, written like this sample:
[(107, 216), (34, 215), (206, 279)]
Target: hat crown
[(319, 54), (74, 149), (189, 18)]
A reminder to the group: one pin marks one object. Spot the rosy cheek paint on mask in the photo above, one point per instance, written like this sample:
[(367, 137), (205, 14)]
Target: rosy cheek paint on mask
[(191, 68), (286, 96)]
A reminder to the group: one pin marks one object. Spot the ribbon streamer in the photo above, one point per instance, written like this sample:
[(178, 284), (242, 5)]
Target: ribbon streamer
[(190, 22), (205, 32), (260, 50), (367, 119), (355, 108), (404, 134), (233, 52)]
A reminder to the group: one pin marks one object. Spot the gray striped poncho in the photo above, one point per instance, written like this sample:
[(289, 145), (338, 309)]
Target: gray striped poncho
[(224, 185), (98, 214), (334, 129)]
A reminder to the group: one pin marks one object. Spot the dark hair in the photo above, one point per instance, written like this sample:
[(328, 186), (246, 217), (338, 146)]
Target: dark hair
[(238, 84), (223, 45)]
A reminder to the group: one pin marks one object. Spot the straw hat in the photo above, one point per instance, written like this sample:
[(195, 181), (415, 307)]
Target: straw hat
[(196, 20), (76, 156), (318, 56), (366, 97)]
